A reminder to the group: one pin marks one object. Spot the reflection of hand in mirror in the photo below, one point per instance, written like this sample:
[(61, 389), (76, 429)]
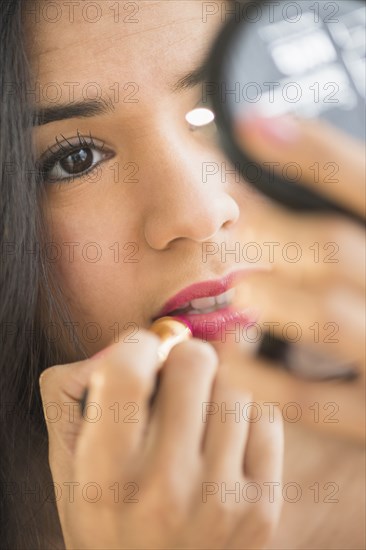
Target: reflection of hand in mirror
[(273, 59), (315, 292), (263, 56)]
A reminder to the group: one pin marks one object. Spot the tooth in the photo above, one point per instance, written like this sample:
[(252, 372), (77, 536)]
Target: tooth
[(222, 298), (202, 311), (203, 303), (226, 297), (183, 306)]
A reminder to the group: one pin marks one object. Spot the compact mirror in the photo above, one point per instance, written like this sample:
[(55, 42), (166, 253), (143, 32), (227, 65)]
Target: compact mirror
[(302, 58)]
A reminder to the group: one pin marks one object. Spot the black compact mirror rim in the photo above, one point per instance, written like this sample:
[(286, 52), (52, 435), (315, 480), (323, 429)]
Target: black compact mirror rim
[(294, 196)]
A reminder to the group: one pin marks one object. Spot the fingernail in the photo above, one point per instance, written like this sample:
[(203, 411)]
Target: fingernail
[(83, 400), (283, 130), (97, 380), (98, 355), (102, 352)]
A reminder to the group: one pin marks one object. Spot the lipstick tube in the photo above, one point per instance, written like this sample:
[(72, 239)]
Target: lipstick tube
[(171, 332)]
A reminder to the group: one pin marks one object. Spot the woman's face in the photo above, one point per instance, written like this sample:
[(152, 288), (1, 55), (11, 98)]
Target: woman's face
[(162, 208)]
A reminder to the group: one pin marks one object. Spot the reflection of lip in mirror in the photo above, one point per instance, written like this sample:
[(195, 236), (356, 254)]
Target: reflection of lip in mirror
[(305, 361)]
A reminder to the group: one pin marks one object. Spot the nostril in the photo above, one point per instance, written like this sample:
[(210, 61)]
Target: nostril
[(228, 224)]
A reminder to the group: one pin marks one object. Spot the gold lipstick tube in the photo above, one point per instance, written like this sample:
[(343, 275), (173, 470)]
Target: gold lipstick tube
[(171, 332)]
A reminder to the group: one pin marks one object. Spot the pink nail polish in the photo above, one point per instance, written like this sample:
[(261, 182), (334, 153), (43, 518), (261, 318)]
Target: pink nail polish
[(103, 351), (99, 354), (283, 130)]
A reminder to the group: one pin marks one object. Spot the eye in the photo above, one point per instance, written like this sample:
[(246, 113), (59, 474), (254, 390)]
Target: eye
[(71, 159)]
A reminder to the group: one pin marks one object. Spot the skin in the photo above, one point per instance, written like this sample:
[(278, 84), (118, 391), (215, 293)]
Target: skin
[(312, 291), (167, 214), (168, 469), (322, 289)]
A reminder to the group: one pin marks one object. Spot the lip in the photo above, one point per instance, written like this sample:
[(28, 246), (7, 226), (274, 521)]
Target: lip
[(210, 326)]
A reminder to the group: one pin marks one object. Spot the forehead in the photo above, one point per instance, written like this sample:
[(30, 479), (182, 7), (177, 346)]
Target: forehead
[(145, 42)]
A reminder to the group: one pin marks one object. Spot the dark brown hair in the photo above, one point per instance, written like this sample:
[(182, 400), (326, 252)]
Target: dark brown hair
[(28, 517)]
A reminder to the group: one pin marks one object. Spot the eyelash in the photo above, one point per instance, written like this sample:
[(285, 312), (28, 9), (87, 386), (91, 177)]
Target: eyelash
[(49, 160)]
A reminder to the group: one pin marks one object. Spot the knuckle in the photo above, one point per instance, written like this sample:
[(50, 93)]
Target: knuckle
[(124, 375), (206, 353), (266, 517), (46, 377), (149, 339), (132, 367), (230, 389), (195, 354), (221, 513), (171, 508), (137, 382)]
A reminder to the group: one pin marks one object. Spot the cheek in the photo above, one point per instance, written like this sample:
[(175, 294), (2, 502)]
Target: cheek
[(98, 259)]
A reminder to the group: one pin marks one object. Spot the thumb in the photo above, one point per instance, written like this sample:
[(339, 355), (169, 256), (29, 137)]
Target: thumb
[(61, 388), (323, 157)]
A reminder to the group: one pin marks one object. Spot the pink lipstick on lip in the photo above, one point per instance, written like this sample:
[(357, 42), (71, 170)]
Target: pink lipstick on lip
[(212, 325)]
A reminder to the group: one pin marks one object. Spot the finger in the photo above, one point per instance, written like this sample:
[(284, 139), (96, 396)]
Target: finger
[(61, 387), (333, 318), (263, 467), (265, 447), (176, 428), (117, 408), (336, 407), (331, 162), (308, 250), (226, 418)]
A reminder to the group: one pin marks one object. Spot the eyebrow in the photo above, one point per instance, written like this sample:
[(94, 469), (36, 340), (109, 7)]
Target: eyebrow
[(191, 79), (96, 107), (78, 109)]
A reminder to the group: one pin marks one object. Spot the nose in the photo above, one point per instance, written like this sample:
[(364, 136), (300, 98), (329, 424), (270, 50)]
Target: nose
[(179, 203)]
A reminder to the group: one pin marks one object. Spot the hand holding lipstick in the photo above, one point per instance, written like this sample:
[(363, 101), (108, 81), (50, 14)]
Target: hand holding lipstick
[(165, 472)]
